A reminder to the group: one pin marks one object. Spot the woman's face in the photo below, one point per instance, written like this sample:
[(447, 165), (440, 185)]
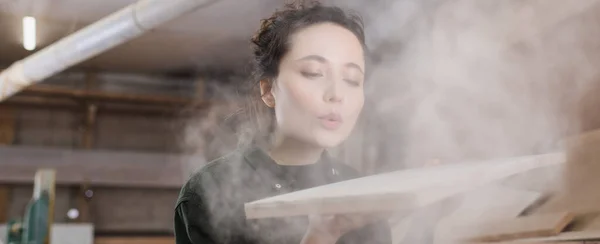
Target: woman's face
[(318, 94)]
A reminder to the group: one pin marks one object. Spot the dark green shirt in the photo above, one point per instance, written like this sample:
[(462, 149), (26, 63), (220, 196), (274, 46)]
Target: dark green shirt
[(210, 208)]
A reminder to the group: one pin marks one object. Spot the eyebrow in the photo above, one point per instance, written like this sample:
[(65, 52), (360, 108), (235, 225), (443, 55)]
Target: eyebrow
[(321, 59)]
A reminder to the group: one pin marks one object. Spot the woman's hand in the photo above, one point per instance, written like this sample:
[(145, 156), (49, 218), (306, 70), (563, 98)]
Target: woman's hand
[(327, 229)]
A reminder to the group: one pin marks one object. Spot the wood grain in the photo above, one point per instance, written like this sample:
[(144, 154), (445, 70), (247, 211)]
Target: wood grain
[(396, 191)]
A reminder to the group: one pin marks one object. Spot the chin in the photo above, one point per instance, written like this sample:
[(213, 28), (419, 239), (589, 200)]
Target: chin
[(329, 141)]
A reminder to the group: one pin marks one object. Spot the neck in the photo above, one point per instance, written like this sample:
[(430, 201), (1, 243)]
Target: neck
[(294, 152)]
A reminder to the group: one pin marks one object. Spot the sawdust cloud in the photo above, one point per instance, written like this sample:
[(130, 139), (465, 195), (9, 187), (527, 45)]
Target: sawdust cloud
[(464, 80), (455, 80), (469, 80), (452, 80)]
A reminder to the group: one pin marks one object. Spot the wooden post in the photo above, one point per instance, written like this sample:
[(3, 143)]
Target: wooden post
[(4, 203), (90, 113), (82, 202), (88, 131), (83, 205), (7, 136), (7, 125)]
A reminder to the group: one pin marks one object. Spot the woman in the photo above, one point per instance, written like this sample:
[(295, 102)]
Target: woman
[(310, 63)]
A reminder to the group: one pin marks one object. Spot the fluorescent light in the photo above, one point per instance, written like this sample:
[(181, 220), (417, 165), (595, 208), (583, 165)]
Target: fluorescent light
[(29, 29)]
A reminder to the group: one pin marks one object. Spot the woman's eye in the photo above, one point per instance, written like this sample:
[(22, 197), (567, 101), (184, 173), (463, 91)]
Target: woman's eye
[(353, 82), (311, 75)]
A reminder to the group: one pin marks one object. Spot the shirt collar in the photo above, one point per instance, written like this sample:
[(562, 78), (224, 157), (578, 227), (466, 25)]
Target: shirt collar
[(264, 165)]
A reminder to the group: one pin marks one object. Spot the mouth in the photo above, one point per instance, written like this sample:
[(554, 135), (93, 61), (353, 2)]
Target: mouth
[(331, 121)]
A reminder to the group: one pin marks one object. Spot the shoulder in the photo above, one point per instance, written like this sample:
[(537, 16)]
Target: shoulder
[(212, 176)]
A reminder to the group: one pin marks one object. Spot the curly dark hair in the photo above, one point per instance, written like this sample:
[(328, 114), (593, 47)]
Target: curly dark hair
[(271, 41), (251, 122)]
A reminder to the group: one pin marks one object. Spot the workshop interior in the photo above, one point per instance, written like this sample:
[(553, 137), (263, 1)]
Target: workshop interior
[(480, 123)]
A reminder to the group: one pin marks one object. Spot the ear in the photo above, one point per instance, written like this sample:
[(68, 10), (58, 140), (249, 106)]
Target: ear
[(266, 93)]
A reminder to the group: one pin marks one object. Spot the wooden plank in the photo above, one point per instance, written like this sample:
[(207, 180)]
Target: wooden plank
[(591, 235), (511, 229), (493, 202), (584, 229), (396, 191), (488, 203), (544, 242), (579, 177), (100, 168)]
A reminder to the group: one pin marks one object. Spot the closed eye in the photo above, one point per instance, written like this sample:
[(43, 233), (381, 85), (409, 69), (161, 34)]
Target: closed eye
[(311, 75), (353, 82)]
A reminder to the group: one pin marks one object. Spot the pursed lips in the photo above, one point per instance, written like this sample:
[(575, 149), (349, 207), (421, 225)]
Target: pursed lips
[(331, 121)]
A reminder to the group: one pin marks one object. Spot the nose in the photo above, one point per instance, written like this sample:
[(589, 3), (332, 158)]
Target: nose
[(333, 93)]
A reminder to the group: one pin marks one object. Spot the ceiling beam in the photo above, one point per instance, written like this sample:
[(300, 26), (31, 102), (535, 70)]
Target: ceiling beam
[(109, 32), (21, 101), (94, 95)]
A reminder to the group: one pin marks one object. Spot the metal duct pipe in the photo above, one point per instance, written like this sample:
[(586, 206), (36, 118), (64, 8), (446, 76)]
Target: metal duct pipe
[(113, 30)]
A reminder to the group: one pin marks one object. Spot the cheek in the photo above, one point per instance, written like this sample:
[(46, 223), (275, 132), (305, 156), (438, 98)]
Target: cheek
[(299, 96), (356, 101), (356, 108)]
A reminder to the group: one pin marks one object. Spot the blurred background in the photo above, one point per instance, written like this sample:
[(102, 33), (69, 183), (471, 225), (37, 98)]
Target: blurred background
[(116, 127), (111, 126)]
